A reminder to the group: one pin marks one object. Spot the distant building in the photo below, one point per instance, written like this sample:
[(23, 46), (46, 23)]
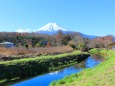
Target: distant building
[(113, 48), (7, 44)]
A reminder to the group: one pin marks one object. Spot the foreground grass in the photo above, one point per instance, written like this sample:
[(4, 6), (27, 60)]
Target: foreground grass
[(16, 69), (101, 75)]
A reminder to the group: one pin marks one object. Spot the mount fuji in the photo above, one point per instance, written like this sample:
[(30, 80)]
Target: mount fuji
[(50, 29), (53, 28)]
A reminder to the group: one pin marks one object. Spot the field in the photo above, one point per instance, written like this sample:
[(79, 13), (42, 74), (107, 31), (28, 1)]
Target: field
[(17, 53), (101, 75)]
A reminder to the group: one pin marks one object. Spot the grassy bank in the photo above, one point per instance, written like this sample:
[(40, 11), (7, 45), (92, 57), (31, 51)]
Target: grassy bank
[(101, 75), (16, 69)]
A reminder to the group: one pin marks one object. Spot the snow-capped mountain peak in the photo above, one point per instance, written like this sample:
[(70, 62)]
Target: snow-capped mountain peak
[(51, 27)]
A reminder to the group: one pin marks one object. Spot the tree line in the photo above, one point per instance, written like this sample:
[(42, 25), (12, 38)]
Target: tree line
[(74, 39)]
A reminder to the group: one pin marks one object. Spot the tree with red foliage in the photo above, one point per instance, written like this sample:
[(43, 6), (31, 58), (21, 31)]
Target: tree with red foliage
[(48, 44), (102, 42)]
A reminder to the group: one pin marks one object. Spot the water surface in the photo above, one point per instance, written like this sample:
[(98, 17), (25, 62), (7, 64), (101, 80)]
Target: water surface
[(46, 79)]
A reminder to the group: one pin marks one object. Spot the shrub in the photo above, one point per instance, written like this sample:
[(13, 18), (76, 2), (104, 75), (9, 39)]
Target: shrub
[(26, 46)]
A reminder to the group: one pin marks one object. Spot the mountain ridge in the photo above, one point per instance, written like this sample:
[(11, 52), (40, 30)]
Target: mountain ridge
[(53, 28)]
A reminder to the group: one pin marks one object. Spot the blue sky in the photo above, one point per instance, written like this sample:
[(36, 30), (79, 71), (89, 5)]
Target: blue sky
[(92, 17)]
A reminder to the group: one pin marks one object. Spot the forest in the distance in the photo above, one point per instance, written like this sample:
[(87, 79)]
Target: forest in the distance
[(75, 40)]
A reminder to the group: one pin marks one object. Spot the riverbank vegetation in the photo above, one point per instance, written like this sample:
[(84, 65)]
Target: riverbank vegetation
[(26, 67), (101, 75), (19, 53)]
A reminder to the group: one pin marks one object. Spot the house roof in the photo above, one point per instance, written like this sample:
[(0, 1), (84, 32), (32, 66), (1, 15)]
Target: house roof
[(6, 43)]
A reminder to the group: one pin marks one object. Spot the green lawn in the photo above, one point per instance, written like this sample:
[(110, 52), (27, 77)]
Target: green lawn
[(101, 75)]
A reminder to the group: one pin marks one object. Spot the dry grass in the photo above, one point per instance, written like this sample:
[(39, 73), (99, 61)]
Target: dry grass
[(52, 50), (5, 53)]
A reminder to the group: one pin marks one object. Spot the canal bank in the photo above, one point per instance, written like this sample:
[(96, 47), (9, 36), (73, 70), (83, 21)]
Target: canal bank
[(17, 69), (46, 79), (101, 75)]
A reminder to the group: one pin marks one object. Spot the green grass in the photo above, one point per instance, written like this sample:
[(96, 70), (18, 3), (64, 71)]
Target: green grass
[(101, 75), (43, 57)]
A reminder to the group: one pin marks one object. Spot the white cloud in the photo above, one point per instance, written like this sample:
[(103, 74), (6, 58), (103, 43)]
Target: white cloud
[(23, 30)]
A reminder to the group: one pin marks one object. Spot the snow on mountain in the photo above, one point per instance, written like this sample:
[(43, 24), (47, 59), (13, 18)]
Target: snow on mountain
[(51, 27)]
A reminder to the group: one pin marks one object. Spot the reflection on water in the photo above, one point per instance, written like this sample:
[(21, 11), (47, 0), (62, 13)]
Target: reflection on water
[(91, 62), (44, 80), (54, 73)]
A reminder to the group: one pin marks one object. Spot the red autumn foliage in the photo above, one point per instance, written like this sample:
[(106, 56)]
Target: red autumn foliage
[(48, 44), (103, 41)]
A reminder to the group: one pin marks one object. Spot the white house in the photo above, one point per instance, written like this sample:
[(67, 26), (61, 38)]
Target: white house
[(7, 44)]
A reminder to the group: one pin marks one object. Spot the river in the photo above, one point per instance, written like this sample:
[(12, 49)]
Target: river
[(46, 79)]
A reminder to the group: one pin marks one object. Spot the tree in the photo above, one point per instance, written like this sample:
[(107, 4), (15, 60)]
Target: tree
[(82, 47), (48, 44), (37, 45), (102, 42), (108, 40), (26, 46), (72, 43), (65, 39)]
